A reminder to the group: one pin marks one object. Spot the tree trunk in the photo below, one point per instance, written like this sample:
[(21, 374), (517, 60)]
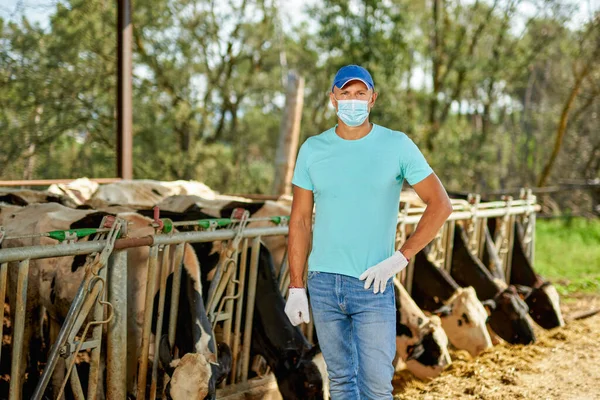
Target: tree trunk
[(562, 126)]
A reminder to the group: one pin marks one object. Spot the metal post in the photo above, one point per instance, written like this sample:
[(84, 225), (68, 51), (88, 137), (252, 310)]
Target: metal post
[(250, 306), (228, 323), (238, 312), (532, 219), (124, 98), (75, 382), (449, 245), (175, 289), (146, 329), (164, 272), (3, 278), (62, 337), (410, 269), (116, 346), (97, 337), (17, 357)]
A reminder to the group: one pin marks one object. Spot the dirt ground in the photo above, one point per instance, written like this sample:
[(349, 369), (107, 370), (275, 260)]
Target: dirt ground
[(564, 363)]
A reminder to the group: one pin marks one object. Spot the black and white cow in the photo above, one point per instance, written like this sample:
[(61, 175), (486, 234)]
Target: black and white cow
[(508, 316), (462, 314), (540, 295), (283, 345), (54, 282), (420, 340)]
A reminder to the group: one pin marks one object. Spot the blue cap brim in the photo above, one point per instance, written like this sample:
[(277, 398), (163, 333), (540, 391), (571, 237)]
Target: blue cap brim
[(344, 83)]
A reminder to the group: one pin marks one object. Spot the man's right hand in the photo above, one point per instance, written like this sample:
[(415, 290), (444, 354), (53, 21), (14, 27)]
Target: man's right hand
[(296, 307)]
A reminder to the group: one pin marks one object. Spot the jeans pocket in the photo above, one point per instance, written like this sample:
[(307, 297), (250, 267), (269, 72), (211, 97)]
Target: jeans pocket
[(311, 274)]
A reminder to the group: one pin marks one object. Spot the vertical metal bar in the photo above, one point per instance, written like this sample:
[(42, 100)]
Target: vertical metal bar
[(449, 245), (250, 307), (238, 312), (116, 346), (164, 272), (3, 278), (17, 357), (481, 236), (175, 289), (97, 336), (511, 241), (148, 307), (532, 219), (75, 382), (410, 269), (124, 98), (228, 323)]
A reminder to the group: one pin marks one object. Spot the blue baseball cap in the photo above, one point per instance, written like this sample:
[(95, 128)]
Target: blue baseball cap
[(352, 73)]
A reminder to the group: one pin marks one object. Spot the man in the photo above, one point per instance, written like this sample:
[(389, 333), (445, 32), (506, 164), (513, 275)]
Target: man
[(353, 173)]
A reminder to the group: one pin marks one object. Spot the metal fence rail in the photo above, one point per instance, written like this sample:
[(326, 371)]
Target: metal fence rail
[(230, 296)]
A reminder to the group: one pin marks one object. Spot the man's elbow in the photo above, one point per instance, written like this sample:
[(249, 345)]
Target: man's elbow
[(442, 205)]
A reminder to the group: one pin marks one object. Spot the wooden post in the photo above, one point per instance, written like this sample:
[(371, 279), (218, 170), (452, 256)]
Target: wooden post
[(288, 135)]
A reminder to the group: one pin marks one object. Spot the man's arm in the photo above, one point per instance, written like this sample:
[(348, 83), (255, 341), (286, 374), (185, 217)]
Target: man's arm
[(432, 192), (299, 237)]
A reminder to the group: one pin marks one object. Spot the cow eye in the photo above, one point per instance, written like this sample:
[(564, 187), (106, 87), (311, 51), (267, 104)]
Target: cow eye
[(460, 322)]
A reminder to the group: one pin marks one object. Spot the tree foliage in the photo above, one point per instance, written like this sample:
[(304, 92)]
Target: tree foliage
[(497, 93)]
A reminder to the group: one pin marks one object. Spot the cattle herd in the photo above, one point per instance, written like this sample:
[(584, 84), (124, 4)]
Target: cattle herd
[(469, 305)]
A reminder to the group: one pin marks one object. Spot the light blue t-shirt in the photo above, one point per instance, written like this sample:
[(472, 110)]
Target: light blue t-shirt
[(356, 188)]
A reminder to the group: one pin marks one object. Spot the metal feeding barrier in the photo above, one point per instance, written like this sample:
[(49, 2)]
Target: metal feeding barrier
[(102, 300)]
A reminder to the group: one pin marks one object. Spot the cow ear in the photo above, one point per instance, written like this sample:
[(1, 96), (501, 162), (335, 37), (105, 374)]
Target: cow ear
[(443, 311), (164, 354), (523, 291), (490, 305)]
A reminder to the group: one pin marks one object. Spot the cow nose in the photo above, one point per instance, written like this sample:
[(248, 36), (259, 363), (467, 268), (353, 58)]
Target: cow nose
[(479, 349)]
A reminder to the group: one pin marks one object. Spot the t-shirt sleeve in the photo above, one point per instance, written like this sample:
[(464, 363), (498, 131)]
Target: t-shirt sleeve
[(413, 165), (301, 177)]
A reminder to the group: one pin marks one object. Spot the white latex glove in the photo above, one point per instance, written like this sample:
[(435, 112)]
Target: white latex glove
[(296, 307), (382, 272)]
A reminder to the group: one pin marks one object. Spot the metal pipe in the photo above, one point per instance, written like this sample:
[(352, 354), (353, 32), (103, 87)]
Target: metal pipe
[(116, 343), (238, 312), (250, 307), (62, 337), (97, 336), (74, 379), (3, 279), (175, 289), (70, 249), (17, 357), (164, 272), (228, 323), (146, 329), (410, 269)]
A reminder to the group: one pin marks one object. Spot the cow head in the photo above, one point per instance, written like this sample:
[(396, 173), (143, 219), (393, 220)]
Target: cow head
[(543, 303), (434, 356), (298, 377), (508, 317), (193, 376), (464, 320)]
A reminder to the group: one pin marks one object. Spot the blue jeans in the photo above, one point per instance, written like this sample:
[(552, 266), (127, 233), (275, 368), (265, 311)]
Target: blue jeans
[(356, 330)]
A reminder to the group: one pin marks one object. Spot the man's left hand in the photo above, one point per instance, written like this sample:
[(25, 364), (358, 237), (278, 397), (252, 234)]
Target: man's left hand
[(379, 274)]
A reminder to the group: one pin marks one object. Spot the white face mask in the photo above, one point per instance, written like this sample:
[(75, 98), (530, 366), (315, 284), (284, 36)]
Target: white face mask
[(353, 112)]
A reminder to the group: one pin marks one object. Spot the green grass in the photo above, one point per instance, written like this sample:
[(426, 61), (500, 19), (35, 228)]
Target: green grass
[(567, 252)]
